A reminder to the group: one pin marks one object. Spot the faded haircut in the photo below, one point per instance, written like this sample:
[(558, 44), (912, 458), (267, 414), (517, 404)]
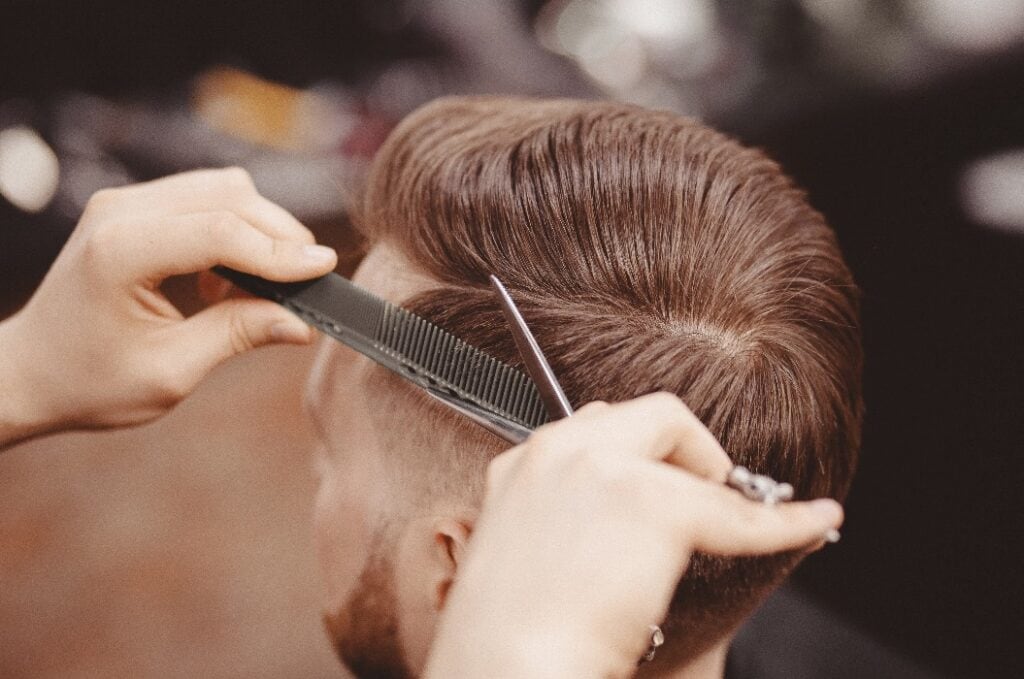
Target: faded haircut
[(647, 252)]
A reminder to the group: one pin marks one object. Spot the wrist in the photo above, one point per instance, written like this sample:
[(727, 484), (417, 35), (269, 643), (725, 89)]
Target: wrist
[(495, 644), (509, 656)]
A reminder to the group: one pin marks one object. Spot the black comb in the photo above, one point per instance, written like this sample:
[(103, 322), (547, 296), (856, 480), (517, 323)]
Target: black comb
[(407, 344)]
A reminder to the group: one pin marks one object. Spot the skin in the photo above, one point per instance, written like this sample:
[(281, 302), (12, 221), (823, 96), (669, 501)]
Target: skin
[(648, 477), (364, 521), (614, 465), (458, 589), (99, 345)]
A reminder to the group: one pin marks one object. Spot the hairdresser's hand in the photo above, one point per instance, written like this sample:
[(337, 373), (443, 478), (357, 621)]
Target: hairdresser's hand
[(585, 531), (99, 345)]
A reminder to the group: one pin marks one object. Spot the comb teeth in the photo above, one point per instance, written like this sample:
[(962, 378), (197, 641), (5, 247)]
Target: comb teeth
[(405, 343), (451, 364)]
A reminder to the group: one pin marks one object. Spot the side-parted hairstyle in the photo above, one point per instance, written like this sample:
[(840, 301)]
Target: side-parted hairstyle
[(647, 252)]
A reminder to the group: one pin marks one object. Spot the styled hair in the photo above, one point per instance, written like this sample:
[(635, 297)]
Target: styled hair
[(647, 252)]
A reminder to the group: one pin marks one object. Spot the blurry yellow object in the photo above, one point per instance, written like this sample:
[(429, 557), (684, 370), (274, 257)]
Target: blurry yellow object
[(245, 106)]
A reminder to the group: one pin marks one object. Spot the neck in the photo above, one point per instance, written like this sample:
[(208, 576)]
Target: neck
[(708, 665)]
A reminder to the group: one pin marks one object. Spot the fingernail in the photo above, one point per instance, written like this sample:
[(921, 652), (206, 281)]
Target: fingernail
[(292, 333), (832, 513), (318, 254)]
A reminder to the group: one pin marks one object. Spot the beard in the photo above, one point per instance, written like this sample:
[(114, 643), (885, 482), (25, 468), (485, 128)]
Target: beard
[(364, 631)]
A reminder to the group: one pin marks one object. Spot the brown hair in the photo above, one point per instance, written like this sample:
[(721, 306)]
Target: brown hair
[(647, 252)]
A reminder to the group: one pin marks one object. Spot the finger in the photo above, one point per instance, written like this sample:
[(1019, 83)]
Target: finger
[(656, 426), (273, 220), (210, 190), (194, 191), (233, 327), (723, 522), (500, 468), (195, 242), (592, 408)]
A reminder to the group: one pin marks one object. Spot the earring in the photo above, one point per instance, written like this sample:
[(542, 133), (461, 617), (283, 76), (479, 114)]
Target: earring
[(657, 639)]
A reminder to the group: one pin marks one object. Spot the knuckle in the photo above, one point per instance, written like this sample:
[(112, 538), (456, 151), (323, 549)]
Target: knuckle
[(176, 388), (593, 466), (608, 476), (550, 454), (100, 201), (166, 387), (559, 444), (669, 402), (223, 226), (238, 179), (238, 334), (593, 408), (607, 471), (545, 438), (671, 408), (537, 455), (495, 472), (100, 243)]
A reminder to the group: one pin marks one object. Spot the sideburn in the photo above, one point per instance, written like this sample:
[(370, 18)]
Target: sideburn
[(364, 631)]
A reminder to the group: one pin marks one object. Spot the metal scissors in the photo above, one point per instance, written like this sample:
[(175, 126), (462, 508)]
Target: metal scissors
[(553, 396), (537, 367), (756, 487)]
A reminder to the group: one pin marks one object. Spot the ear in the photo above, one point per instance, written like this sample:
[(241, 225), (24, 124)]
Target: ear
[(451, 536)]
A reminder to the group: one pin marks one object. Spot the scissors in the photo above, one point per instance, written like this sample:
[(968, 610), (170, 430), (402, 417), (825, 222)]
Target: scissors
[(756, 487), (537, 367), (491, 396), (555, 401)]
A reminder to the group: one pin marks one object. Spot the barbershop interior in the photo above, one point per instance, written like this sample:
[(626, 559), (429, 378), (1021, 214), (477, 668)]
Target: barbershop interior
[(183, 547)]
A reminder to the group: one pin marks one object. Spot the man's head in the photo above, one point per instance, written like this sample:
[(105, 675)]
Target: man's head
[(646, 252)]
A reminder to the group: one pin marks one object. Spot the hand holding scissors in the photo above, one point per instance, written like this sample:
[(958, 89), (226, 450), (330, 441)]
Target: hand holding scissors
[(587, 527)]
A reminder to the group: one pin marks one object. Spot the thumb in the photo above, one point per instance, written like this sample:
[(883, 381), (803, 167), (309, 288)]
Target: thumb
[(236, 326)]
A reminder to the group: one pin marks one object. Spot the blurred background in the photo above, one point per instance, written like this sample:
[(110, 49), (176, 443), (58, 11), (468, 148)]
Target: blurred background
[(183, 549)]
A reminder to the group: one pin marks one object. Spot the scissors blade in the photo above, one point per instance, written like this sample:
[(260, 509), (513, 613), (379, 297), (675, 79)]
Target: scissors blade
[(537, 366)]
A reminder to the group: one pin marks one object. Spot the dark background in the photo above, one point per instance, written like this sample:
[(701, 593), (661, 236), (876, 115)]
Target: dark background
[(929, 563)]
